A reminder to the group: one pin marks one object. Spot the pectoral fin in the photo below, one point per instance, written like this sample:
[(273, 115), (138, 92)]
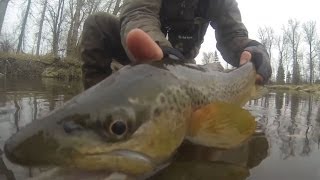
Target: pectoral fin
[(220, 125)]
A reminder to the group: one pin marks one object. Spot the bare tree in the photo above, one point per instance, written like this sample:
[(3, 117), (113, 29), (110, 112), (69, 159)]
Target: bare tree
[(117, 7), (310, 38), (293, 35), (318, 55), (208, 57), (23, 27), (56, 18), (267, 38), (108, 6), (112, 6), (76, 20), (43, 13), (3, 10), (281, 42), (92, 6)]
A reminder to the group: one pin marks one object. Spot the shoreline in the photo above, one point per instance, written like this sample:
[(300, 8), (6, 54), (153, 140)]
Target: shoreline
[(307, 88), (29, 66)]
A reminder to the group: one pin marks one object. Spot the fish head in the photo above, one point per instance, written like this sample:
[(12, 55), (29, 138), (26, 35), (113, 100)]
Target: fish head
[(112, 126)]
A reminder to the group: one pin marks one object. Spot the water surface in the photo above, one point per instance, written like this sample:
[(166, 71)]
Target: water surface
[(285, 147)]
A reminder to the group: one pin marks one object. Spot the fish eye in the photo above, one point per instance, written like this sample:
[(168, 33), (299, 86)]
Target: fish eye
[(115, 124), (118, 128)]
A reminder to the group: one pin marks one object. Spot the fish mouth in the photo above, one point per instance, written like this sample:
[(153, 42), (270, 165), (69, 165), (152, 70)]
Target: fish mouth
[(118, 160), (137, 156), (133, 155), (85, 151)]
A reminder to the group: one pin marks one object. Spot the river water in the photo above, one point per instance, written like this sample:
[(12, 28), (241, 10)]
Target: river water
[(285, 146)]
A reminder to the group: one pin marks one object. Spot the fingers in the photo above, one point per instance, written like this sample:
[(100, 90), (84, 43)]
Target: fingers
[(142, 47), (246, 57), (259, 79)]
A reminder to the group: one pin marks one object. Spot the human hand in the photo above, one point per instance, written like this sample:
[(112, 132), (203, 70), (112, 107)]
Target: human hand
[(246, 57), (142, 47), (260, 59)]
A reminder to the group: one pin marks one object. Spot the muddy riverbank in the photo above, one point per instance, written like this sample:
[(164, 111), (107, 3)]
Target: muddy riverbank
[(28, 66)]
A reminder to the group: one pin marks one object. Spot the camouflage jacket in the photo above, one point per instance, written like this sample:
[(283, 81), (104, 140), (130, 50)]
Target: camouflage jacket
[(157, 17)]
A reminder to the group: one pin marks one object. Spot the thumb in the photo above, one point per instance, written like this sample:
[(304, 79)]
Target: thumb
[(245, 57), (142, 47)]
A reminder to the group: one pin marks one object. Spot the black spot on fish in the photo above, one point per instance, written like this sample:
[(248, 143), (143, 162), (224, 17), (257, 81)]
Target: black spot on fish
[(157, 111), (179, 110), (175, 100), (162, 99), (178, 91), (205, 98), (193, 90), (70, 126), (80, 119)]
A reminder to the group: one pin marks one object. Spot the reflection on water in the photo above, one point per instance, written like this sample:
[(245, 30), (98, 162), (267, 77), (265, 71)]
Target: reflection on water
[(23, 101), (288, 148), (196, 162), (292, 127)]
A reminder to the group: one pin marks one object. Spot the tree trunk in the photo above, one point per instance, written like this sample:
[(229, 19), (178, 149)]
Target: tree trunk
[(294, 38), (116, 7), (74, 29), (23, 27), (310, 38), (3, 9), (267, 38), (57, 18), (43, 13), (109, 6), (311, 64)]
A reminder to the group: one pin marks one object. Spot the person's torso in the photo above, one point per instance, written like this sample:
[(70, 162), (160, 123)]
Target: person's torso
[(185, 22)]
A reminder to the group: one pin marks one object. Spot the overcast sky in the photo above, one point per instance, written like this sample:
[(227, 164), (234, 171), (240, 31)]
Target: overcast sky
[(255, 14), (274, 13)]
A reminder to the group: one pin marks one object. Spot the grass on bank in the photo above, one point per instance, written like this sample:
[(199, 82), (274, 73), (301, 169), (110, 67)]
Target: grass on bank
[(47, 59), (60, 68), (69, 67), (314, 88)]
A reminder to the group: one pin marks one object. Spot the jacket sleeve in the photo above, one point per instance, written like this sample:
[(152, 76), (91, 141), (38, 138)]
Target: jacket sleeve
[(142, 14), (231, 34)]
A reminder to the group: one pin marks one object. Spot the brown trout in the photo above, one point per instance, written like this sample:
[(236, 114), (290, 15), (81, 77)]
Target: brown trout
[(134, 120)]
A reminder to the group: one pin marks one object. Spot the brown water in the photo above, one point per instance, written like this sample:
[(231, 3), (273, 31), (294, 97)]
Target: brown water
[(287, 146)]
